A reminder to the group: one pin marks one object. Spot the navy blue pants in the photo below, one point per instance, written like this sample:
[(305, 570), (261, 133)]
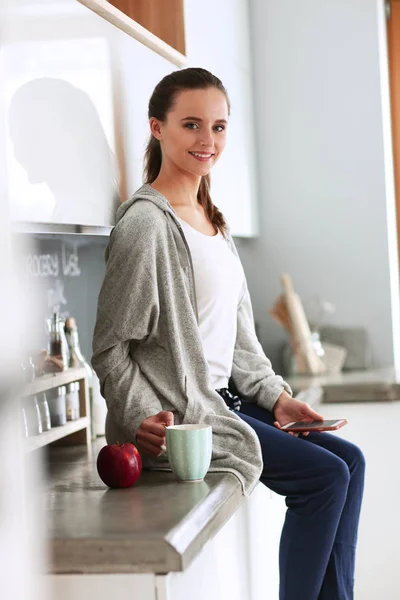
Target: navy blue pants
[(322, 477)]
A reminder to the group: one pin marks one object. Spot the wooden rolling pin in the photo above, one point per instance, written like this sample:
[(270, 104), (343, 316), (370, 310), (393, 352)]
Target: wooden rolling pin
[(307, 359)]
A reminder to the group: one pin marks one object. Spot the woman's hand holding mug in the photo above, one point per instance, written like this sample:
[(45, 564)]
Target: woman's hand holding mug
[(150, 437)]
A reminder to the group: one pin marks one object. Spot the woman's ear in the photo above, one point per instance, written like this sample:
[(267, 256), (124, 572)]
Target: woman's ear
[(155, 128)]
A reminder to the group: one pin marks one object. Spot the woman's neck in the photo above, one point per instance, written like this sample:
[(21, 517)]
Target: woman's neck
[(179, 191)]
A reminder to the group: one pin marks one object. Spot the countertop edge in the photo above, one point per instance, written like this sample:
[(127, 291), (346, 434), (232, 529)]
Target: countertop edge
[(206, 519), (158, 555)]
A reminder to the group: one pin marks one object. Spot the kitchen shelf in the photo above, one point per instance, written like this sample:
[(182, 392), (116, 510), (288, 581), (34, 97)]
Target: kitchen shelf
[(134, 29), (62, 228), (53, 380), (74, 432), (56, 433)]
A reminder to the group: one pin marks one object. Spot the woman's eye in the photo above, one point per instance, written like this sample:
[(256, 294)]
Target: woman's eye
[(192, 126)]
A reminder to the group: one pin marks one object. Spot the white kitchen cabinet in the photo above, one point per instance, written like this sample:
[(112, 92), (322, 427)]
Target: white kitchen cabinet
[(76, 96), (77, 90), (102, 587), (242, 561), (58, 94)]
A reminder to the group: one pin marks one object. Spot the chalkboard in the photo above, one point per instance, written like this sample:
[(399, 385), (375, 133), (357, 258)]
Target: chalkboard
[(64, 274)]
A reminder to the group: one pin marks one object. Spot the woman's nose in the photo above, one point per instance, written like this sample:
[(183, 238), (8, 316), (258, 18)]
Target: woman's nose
[(207, 140)]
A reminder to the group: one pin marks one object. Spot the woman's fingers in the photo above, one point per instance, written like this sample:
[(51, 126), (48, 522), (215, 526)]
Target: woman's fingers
[(151, 443), (278, 426), (312, 414), (153, 427), (148, 448), (156, 440), (150, 437)]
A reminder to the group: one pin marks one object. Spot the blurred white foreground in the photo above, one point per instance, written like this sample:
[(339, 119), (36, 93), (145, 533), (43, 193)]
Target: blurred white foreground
[(22, 526)]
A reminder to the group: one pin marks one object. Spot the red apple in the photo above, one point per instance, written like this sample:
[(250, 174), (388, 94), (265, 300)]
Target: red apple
[(119, 465)]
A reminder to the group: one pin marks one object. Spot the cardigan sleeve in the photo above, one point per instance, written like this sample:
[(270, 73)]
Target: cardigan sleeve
[(128, 310), (252, 374)]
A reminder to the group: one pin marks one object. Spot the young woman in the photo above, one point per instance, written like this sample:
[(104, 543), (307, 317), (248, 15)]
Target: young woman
[(174, 342)]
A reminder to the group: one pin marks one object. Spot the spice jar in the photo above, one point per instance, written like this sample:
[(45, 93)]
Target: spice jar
[(44, 411), (56, 402), (72, 401)]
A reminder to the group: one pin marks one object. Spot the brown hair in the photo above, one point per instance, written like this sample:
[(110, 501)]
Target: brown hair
[(161, 102)]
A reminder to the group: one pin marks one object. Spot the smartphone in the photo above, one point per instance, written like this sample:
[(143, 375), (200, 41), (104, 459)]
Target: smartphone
[(314, 425)]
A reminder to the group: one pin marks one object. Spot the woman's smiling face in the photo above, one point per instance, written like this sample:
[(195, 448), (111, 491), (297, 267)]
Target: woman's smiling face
[(193, 136)]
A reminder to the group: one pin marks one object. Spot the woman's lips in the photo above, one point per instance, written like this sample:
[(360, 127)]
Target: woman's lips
[(201, 156)]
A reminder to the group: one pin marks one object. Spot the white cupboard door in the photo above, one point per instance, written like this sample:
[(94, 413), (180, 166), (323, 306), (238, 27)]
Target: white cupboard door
[(60, 124)]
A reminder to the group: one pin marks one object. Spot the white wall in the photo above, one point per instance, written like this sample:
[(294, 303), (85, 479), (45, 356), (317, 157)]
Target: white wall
[(324, 203), (217, 39)]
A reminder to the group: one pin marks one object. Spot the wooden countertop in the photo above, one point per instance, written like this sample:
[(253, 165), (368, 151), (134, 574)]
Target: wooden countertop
[(157, 526)]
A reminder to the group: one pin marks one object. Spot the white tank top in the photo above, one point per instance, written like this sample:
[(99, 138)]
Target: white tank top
[(219, 281)]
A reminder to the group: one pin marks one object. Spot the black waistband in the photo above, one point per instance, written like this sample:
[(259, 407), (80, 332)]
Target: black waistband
[(232, 401)]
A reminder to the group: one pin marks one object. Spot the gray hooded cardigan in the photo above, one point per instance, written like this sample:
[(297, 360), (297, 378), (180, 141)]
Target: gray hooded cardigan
[(147, 350)]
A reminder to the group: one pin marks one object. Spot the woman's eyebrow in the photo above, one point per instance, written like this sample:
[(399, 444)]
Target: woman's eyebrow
[(200, 120)]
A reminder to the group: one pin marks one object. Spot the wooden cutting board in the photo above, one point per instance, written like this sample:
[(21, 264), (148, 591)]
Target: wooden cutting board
[(307, 359)]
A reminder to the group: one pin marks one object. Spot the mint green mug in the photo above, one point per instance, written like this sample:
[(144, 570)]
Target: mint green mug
[(189, 450)]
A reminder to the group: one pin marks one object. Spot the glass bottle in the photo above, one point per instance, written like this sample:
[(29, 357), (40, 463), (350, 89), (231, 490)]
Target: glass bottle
[(24, 422), (32, 415), (28, 369), (44, 411), (72, 401), (56, 402), (78, 360), (58, 346)]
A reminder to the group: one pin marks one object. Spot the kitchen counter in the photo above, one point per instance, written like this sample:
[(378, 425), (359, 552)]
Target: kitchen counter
[(241, 561), (159, 525), (349, 386)]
